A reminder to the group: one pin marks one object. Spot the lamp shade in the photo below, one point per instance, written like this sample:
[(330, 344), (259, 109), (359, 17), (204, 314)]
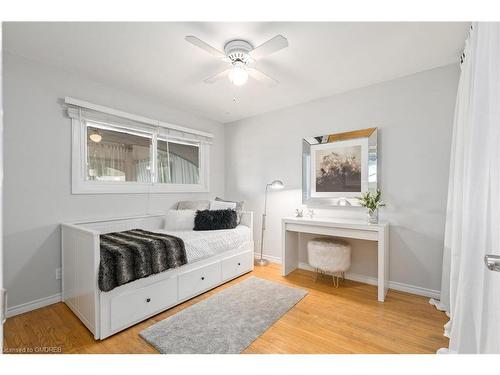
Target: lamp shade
[(95, 137), (277, 185), (238, 74)]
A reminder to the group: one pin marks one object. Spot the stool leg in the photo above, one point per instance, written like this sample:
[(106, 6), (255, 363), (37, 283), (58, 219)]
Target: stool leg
[(335, 281), (315, 275), (343, 275)]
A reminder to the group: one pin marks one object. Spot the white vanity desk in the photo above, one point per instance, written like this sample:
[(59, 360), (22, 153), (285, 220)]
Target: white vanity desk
[(358, 229)]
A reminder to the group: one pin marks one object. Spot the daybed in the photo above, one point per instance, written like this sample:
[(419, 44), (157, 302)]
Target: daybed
[(214, 257)]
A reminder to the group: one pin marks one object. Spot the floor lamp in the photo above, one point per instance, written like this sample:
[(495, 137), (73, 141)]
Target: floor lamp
[(275, 185)]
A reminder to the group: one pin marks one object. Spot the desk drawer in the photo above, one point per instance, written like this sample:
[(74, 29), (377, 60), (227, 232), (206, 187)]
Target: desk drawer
[(198, 280), (135, 305)]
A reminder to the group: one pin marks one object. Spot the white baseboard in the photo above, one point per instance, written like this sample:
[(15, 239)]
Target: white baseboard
[(392, 284), (33, 305), (368, 279), (270, 258), (431, 293)]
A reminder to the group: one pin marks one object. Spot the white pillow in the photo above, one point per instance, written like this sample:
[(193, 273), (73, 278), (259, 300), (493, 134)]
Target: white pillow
[(219, 205), (179, 220)]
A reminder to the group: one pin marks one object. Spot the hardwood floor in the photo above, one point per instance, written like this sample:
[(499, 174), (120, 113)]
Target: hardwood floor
[(328, 320)]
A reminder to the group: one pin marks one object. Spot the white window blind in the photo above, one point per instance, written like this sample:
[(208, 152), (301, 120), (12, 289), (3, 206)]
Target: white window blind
[(81, 110)]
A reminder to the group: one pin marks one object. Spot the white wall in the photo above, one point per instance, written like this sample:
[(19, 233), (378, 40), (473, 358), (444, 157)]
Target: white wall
[(37, 190), (414, 115)]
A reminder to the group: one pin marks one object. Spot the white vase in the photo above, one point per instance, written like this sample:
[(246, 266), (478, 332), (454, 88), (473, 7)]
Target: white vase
[(372, 216)]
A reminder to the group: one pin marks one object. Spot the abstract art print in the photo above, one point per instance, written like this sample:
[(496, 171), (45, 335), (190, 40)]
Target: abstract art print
[(338, 169)]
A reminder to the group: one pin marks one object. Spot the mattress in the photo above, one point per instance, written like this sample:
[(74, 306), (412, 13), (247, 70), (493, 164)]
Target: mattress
[(207, 243)]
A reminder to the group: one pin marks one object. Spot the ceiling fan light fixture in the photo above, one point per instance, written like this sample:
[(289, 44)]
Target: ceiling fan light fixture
[(238, 74), (241, 55)]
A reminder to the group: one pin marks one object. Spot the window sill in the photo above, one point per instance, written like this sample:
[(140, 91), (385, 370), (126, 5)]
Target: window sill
[(135, 188)]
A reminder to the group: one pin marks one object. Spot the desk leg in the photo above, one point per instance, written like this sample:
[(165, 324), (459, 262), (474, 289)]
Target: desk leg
[(289, 252), (383, 263)]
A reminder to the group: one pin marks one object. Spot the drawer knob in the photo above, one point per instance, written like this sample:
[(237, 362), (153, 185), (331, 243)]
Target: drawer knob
[(203, 277), (239, 264), (148, 299)]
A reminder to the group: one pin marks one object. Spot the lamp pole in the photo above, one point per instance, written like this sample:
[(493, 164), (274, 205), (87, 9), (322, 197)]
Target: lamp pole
[(276, 184), (262, 261)]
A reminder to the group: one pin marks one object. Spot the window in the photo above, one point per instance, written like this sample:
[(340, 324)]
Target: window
[(117, 155), (113, 155), (178, 163)]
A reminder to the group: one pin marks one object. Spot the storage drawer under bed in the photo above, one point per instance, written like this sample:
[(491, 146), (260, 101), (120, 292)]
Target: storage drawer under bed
[(195, 281), (126, 308), (236, 265)]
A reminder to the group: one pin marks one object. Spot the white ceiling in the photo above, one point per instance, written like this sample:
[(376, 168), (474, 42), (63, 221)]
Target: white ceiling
[(322, 58)]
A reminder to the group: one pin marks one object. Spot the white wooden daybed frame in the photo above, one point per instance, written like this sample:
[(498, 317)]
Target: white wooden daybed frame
[(106, 313)]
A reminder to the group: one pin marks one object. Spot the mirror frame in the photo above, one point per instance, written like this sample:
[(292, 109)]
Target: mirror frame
[(338, 198)]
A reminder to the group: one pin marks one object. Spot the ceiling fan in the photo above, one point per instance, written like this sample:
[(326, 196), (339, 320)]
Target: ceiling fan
[(241, 54)]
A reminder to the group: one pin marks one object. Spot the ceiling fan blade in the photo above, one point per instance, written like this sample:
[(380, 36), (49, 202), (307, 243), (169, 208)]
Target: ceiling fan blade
[(217, 77), (262, 77), (204, 46), (269, 47)]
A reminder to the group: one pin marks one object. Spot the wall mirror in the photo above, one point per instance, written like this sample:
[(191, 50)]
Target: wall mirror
[(337, 168)]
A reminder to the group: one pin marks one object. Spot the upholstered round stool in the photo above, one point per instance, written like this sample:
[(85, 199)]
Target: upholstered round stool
[(329, 255)]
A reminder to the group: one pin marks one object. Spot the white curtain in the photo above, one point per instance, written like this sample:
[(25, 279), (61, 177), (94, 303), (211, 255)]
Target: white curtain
[(470, 293), (176, 170), (116, 162), (107, 160), (142, 170)]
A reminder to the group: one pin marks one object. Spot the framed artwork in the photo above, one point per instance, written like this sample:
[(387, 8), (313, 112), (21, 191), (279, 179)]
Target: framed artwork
[(337, 168)]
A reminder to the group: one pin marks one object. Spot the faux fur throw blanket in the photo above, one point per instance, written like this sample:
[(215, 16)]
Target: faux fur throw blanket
[(133, 254)]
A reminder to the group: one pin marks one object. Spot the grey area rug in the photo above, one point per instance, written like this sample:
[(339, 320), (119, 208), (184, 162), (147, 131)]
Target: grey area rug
[(227, 322)]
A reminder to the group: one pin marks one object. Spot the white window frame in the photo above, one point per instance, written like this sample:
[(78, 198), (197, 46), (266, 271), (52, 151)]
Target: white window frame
[(81, 185)]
